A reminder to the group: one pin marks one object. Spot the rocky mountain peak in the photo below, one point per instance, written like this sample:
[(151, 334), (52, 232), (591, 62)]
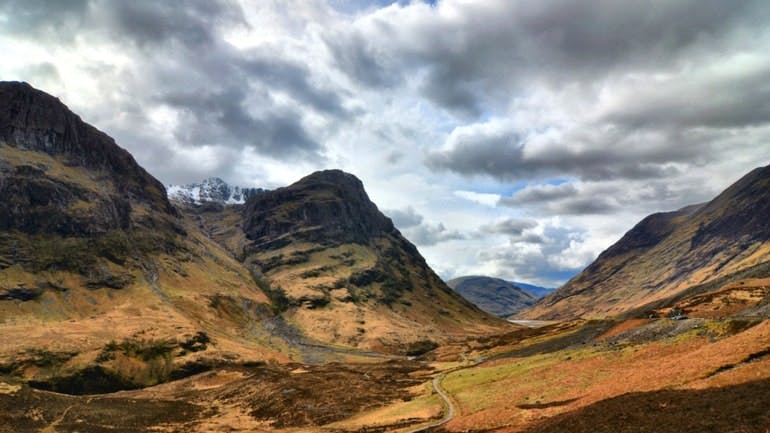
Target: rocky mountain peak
[(212, 189), (328, 206)]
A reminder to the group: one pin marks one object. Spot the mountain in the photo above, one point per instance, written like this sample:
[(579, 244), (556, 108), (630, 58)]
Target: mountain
[(493, 295), (105, 284), (702, 250), (536, 291), (212, 189), (99, 273), (327, 255)]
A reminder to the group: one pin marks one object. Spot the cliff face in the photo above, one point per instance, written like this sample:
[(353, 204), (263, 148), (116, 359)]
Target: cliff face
[(668, 255), (60, 175), (329, 207)]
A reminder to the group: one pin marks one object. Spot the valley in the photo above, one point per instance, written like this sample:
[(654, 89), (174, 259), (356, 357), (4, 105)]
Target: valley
[(304, 309)]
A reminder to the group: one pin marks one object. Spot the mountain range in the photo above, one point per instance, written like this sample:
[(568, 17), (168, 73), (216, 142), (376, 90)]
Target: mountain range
[(96, 263)]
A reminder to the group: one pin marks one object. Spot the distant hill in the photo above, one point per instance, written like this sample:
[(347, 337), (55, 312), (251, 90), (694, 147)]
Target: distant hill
[(668, 258), (536, 291), (493, 295)]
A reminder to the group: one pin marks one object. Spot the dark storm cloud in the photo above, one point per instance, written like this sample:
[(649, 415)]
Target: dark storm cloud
[(568, 199), (509, 226), (698, 100), (608, 154), (189, 22), (295, 79), (47, 19), (357, 58), (604, 197), (222, 96), (495, 48), (224, 118)]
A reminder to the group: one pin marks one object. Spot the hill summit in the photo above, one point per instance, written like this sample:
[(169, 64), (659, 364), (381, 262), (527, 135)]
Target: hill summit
[(341, 270)]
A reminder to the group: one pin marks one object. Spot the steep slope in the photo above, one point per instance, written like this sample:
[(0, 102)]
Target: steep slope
[(493, 295), (671, 256), (98, 272), (342, 272)]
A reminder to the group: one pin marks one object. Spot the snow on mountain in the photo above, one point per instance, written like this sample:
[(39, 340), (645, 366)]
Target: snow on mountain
[(212, 189)]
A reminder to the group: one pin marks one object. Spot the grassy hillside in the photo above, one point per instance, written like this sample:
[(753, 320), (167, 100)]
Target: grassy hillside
[(670, 254)]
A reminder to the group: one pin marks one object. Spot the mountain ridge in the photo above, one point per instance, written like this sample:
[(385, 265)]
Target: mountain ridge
[(493, 295), (212, 189), (667, 253)]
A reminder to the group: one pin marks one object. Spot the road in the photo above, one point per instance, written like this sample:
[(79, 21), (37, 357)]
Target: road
[(450, 407)]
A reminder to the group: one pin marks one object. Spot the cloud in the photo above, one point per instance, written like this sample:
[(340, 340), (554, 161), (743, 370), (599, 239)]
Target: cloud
[(42, 18), (580, 116), (429, 234), (550, 258), (421, 232), (496, 149), (487, 199), (191, 23), (406, 218), (465, 65), (509, 226), (224, 118)]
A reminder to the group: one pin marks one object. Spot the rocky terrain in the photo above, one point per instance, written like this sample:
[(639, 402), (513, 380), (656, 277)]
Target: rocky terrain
[(667, 257), (493, 295)]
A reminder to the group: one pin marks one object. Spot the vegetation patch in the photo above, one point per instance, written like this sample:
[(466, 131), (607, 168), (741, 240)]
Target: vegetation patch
[(421, 347), (94, 379), (196, 343)]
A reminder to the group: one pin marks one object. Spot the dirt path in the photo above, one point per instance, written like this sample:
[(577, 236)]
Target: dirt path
[(51, 428), (450, 412)]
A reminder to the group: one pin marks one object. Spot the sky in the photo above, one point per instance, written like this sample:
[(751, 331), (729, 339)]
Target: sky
[(510, 138)]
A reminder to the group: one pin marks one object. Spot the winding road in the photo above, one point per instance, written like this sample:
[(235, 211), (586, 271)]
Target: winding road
[(450, 407)]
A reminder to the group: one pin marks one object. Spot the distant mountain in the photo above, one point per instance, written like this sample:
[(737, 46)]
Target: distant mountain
[(212, 189), (493, 295), (536, 291), (670, 257)]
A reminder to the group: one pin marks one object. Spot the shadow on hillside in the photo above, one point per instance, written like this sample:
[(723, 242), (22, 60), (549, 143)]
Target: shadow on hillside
[(743, 408)]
